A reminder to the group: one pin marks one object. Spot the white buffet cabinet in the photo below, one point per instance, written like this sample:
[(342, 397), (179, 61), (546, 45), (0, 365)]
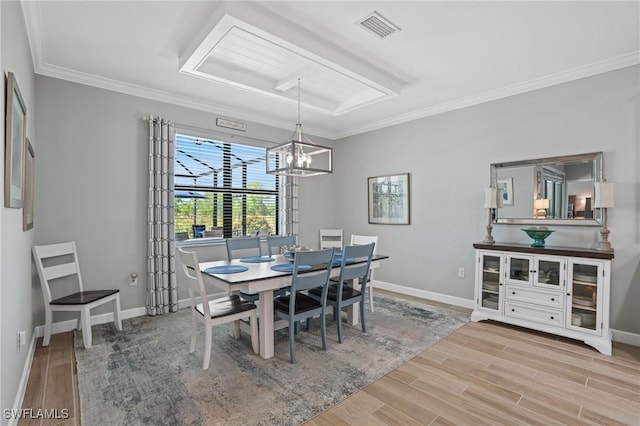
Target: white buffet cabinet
[(563, 291)]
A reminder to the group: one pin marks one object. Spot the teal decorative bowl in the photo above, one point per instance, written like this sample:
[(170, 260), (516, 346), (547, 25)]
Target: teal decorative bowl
[(538, 235)]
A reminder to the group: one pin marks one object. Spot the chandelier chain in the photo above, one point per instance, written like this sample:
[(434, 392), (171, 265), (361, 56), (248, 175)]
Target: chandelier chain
[(299, 122)]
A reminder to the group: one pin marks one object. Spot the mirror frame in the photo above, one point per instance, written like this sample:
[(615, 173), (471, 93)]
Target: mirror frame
[(598, 175)]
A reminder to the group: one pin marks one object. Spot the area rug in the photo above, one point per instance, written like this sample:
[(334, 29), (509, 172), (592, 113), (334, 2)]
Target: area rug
[(145, 375)]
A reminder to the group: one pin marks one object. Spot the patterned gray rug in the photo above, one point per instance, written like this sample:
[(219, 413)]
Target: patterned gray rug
[(146, 375)]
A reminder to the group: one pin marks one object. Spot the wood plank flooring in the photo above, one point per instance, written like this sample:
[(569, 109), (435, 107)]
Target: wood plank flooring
[(491, 373), (484, 373), (52, 385)]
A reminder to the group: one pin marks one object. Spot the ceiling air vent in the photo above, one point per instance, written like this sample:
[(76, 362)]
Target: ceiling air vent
[(378, 25)]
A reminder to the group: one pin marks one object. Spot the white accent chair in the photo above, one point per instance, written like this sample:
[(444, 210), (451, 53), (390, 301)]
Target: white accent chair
[(367, 239), (331, 238), (58, 265), (213, 312)]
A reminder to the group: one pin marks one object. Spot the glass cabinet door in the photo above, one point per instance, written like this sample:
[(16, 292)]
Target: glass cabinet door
[(584, 285), (520, 269), (549, 272), (491, 266)]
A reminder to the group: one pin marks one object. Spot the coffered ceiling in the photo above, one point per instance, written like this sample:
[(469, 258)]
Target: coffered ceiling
[(361, 65)]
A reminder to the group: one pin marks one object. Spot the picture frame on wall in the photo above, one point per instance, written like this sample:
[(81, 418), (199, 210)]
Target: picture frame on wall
[(29, 187), (505, 186), (14, 144), (390, 199)]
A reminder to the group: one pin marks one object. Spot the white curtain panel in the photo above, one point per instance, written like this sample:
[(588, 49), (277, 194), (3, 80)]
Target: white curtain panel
[(162, 294)]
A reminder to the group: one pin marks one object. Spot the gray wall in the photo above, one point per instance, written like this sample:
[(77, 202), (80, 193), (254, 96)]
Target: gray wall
[(448, 156), (15, 258), (91, 179)]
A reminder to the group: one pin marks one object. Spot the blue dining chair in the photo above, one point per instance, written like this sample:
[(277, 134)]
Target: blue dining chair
[(339, 295), (246, 243), (278, 241), (298, 306), (250, 246)]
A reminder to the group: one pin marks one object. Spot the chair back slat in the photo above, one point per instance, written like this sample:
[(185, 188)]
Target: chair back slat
[(357, 270), (195, 283), (277, 241), (49, 273), (59, 271), (318, 278), (54, 250), (330, 238), (243, 244), (365, 239)]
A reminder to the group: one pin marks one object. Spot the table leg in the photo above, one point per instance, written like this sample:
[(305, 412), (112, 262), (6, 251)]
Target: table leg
[(353, 311), (265, 310)]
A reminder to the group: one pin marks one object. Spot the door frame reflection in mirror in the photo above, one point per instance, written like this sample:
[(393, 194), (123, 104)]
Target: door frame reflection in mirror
[(538, 190)]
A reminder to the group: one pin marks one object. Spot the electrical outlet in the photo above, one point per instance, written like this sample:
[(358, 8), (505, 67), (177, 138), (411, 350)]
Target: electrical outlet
[(133, 279), (460, 272), (22, 338)]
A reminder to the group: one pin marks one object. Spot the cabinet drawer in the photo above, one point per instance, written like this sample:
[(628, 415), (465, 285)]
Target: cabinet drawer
[(534, 313), (540, 297)]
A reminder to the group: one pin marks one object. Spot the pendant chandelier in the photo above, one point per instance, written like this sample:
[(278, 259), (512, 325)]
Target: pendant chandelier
[(300, 156)]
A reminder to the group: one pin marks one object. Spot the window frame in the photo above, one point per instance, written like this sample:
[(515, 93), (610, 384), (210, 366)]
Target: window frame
[(227, 190)]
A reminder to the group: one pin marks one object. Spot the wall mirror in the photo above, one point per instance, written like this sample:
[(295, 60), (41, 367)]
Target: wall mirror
[(548, 191)]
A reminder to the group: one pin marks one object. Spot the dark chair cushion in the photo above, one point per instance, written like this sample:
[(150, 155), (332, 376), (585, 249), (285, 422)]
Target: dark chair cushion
[(332, 294), (83, 297), (303, 303), (226, 306)]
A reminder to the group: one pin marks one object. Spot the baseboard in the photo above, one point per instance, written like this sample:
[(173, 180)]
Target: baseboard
[(424, 294), (626, 337), (24, 379)]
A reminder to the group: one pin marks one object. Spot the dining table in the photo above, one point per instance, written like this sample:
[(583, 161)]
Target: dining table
[(255, 275)]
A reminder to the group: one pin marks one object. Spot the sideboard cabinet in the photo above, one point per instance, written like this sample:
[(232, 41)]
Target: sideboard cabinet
[(563, 291)]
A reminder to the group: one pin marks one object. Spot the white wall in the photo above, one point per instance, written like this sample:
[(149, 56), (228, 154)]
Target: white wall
[(15, 263), (448, 156)]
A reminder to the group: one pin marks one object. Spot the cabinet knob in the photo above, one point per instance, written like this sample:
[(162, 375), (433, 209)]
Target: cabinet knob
[(568, 294), (551, 317), (513, 292), (513, 310), (553, 299)]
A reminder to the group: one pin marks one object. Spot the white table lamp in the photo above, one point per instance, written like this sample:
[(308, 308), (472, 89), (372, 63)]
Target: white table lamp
[(541, 205), (603, 201), (490, 202)]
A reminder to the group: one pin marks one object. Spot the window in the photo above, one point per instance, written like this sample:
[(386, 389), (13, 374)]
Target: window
[(224, 188)]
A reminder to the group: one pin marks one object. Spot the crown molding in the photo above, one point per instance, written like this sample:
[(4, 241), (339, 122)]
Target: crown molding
[(577, 73), (33, 22)]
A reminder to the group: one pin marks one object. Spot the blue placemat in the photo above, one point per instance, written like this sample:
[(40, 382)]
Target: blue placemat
[(226, 269), (338, 260), (288, 267), (257, 259)]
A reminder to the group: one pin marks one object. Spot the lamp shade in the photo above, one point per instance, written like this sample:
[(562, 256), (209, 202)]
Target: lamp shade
[(541, 203), (490, 198), (604, 195)]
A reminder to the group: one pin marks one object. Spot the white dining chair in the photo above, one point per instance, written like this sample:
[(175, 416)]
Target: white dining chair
[(213, 312), (367, 239), (62, 261), (330, 238)]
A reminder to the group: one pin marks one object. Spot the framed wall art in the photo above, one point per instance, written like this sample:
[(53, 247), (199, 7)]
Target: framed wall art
[(389, 199), (14, 144), (28, 185), (505, 186)]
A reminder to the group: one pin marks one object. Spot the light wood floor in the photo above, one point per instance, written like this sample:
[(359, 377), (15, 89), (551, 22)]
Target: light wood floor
[(53, 384), (484, 373)]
